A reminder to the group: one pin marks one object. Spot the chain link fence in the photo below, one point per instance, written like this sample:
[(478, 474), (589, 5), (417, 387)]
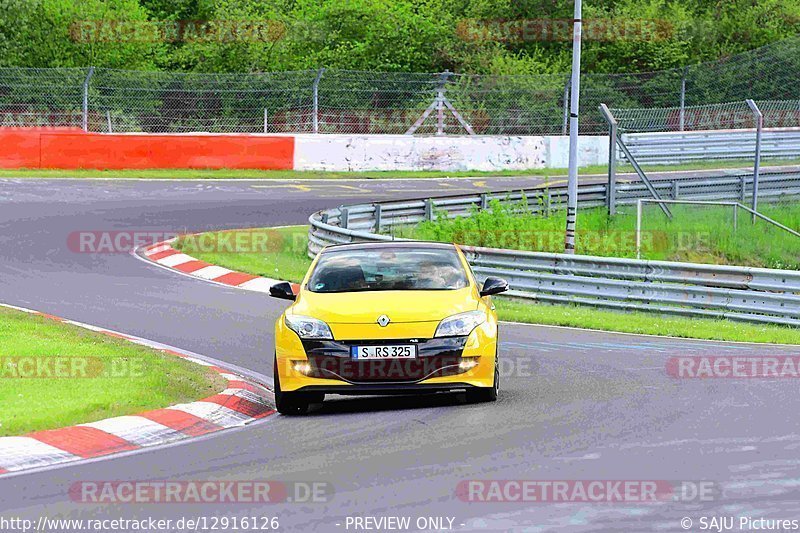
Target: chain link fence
[(359, 102), (725, 116)]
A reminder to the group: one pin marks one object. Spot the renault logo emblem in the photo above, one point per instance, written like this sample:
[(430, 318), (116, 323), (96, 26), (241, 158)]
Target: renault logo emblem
[(383, 320)]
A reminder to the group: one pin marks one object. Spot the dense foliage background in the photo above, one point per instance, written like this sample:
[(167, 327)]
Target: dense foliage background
[(397, 35)]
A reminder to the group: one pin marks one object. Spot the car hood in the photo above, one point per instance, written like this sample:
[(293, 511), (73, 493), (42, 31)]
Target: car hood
[(400, 306)]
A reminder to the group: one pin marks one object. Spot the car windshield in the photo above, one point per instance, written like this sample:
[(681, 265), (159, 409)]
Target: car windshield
[(387, 269)]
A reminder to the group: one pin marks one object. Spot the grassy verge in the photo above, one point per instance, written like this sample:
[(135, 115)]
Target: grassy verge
[(224, 173), (269, 252), (697, 234), (54, 375), (286, 259)]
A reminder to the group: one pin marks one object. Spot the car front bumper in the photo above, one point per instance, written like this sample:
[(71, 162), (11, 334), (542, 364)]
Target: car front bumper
[(331, 370)]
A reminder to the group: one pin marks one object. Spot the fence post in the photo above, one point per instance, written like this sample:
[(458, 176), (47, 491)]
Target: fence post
[(757, 165), (565, 119), (440, 102), (108, 119), (266, 122), (683, 98), (315, 118), (742, 189), (548, 202), (85, 117), (639, 228), (611, 186)]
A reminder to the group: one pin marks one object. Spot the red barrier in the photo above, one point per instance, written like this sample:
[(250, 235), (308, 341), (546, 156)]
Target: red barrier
[(71, 149)]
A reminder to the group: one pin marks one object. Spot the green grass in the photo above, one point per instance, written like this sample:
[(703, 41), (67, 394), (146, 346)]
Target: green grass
[(167, 173), (286, 259), (271, 252), (697, 234), (108, 376)]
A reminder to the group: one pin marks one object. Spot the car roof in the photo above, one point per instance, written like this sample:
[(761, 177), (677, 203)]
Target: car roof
[(415, 245)]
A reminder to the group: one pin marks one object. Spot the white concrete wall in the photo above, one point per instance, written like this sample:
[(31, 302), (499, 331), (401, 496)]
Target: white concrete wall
[(406, 152), (592, 150)]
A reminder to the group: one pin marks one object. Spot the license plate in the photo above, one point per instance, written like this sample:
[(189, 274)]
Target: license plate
[(406, 351)]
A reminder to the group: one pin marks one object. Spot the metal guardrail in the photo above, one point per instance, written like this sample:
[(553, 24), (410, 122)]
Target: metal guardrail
[(733, 292), (681, 147)]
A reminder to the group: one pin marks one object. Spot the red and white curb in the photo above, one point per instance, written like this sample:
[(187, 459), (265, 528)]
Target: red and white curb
[(243, 401), (165, 255)]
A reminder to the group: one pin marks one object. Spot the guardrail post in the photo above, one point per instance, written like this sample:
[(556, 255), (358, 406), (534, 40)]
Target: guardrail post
[(428, 209), (378, 217), (324, 218), (315, 117), (611, 186), (85, 115), (676, 189), (757, 165), (344, 217), (484, 201)]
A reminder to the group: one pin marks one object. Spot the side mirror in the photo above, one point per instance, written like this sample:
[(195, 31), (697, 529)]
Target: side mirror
[(282, 290), (494, 286)]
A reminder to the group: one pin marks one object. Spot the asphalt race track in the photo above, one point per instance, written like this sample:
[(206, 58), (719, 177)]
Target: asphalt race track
[(574, 405)]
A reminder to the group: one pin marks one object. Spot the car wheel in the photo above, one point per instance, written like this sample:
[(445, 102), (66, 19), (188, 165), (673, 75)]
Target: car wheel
[(486, 394), (288, 403)]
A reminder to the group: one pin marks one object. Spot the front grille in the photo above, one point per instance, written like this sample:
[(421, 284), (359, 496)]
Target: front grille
[(435, 357)]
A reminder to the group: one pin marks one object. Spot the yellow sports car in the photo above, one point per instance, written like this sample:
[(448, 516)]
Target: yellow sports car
[(386, 318)]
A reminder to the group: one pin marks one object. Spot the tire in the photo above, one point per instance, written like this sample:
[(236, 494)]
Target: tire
[(289, 403), (486, 394)]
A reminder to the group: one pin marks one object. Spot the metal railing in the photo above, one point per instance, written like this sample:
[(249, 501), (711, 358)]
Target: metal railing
[(738, 293), (735, 205), (682, 147)]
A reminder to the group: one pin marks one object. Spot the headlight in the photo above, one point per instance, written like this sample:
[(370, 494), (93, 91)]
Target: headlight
[(304, 367), (468, 363), (308, 328), (460, 324)]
